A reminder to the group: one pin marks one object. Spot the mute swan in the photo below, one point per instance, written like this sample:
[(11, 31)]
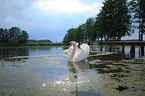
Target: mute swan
[(75, 54)]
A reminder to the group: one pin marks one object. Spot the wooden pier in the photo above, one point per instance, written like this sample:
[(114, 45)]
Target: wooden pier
[(123, 44)]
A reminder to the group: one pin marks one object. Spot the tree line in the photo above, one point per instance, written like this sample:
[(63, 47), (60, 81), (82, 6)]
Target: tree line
[(13, 36), (117, 18)]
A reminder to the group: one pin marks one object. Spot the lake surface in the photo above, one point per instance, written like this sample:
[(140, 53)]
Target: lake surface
[(45, 71)]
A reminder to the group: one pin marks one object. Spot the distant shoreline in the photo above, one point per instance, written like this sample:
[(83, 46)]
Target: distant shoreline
[(33, 44), (39, 44)]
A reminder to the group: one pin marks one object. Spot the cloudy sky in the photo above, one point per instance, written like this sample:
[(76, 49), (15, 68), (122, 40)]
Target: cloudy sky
[(47, 19)]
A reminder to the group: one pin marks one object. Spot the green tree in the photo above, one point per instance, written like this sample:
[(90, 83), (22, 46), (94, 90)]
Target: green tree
[(13, 36), (114, 20), (23, 37), (80, 33), (90, 31), (14, 33), (138, 9), (6, 35), (85, 32), (96, 29), (70, 36), (1, 34)]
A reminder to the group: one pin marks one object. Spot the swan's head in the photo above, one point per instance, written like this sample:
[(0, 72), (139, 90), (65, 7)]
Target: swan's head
[(72, 43)]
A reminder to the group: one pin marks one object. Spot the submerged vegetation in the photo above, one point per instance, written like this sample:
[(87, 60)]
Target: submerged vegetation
[(44, 71)]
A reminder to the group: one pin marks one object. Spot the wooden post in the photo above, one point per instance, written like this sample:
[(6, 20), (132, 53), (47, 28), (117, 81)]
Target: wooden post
[(101, 48), (123, 49), (132, 51), (142, 50), (110, 49)]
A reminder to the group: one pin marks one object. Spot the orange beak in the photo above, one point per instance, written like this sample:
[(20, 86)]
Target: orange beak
[(69, 45)]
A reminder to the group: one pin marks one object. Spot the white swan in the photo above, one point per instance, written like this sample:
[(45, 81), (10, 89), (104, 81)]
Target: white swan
[(76, 54)]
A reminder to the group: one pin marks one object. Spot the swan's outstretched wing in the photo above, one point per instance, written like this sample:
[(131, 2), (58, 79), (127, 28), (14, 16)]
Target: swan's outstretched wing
[(83, 53)]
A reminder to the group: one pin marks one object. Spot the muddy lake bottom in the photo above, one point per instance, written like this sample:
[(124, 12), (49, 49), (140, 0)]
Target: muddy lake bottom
[(45, 71)]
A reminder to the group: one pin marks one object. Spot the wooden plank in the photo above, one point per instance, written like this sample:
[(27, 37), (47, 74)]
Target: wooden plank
[(125, 43)]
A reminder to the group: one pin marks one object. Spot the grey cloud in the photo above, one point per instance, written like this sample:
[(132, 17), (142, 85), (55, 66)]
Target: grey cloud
[(13, 6), (11, 11)]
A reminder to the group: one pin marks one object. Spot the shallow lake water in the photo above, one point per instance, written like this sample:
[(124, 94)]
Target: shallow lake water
[(45, 71)]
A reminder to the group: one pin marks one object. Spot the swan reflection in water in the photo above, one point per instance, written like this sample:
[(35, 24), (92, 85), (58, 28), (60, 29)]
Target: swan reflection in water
[(71, 82), (74, 67)]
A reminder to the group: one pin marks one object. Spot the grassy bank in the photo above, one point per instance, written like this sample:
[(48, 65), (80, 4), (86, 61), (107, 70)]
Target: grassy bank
[(95, 44)]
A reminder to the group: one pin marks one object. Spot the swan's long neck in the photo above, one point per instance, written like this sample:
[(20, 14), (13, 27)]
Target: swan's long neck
[(72, 53)]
